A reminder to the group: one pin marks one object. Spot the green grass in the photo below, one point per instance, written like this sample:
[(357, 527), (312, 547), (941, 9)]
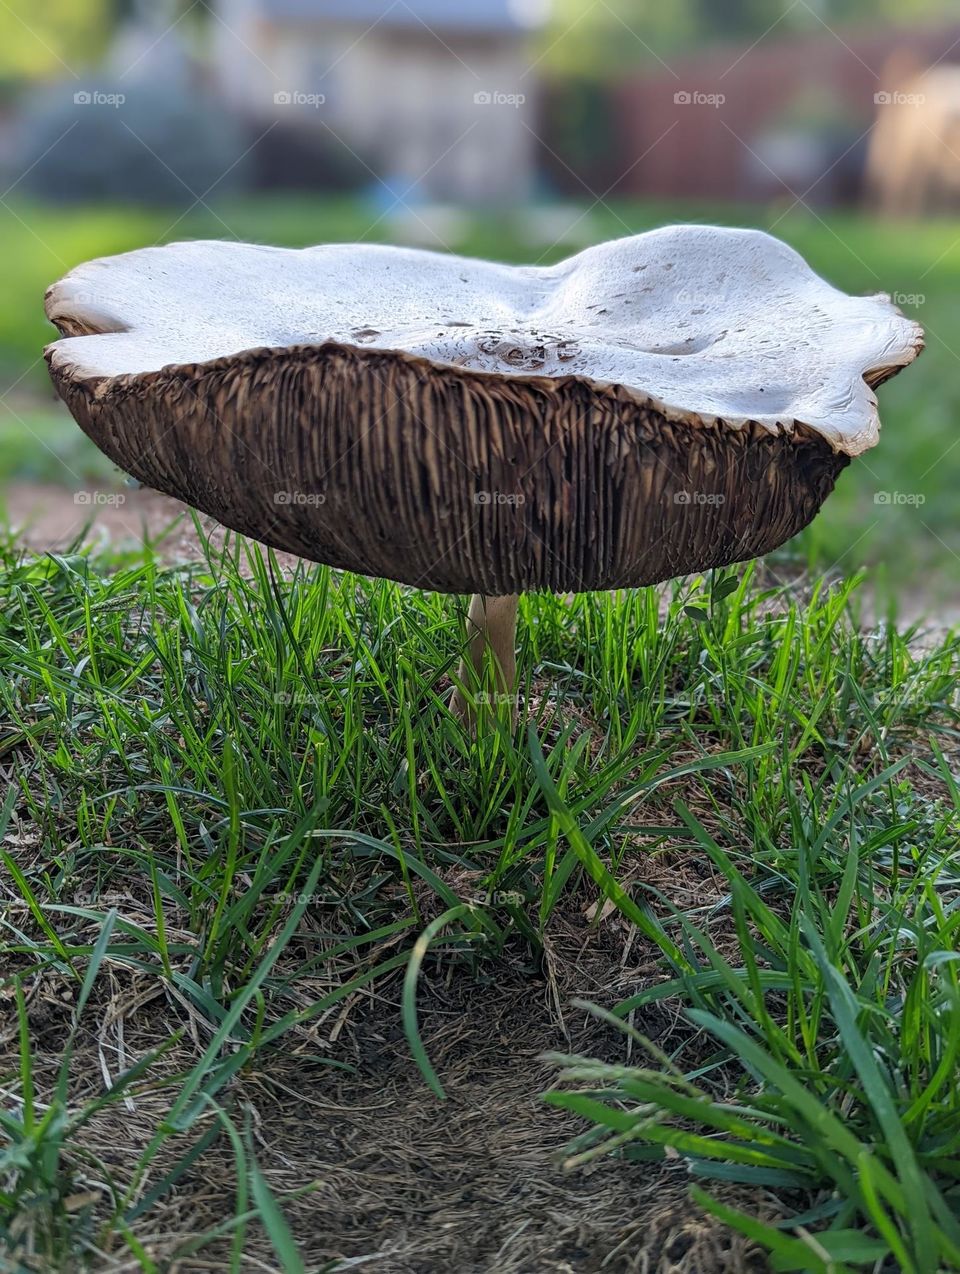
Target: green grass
[(244, 790), (44, 444), (919, 453), (842, 1012)]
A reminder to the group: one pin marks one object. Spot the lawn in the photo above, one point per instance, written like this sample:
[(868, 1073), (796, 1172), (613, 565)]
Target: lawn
[(238, 803), (301, 976)]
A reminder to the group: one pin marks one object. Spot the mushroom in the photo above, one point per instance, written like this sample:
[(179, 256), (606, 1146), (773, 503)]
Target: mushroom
[(654, 406)]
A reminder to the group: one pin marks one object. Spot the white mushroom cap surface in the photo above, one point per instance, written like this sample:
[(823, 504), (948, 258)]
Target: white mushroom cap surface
[(699, 321)]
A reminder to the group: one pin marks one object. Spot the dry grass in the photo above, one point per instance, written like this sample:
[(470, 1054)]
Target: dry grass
[(397, 1183)]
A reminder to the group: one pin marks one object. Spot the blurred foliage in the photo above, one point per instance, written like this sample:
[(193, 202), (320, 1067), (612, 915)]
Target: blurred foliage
[(67, 36), (58, 38), (601, 40), (55, 38)]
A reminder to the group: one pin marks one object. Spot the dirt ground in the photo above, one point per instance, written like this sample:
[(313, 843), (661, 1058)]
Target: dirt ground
[(46, 517), (476, 1183), (401, 1183)]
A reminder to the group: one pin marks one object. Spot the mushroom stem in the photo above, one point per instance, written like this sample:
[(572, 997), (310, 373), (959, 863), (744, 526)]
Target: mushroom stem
[(491, 625)]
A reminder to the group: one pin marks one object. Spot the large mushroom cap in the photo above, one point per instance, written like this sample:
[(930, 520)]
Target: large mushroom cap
[(652, 406)]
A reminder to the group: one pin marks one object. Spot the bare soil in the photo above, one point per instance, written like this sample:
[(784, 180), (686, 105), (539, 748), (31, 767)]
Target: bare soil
[(401, 1183), (410, 1185), (46, 517)]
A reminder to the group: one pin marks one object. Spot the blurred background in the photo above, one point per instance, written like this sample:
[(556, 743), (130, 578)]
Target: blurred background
[(522, 130)]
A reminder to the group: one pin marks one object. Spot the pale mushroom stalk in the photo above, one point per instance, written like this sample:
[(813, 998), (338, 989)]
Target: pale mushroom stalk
[(491, 632)]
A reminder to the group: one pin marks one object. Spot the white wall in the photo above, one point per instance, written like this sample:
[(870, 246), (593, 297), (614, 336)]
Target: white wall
[(400, 100)]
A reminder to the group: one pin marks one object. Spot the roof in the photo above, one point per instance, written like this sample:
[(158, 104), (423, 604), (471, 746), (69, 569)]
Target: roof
[(497, 16)]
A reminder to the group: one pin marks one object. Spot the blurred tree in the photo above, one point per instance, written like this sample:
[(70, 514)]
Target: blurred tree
[(60, 37), (719, 18), (53, 38), (195, 19), (600, 40)]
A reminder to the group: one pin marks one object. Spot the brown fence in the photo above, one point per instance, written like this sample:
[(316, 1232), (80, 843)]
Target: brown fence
[(697, 129)]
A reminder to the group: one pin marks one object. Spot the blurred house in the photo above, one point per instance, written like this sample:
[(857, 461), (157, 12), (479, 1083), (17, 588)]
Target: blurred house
[(434, 97), (782, 119)]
